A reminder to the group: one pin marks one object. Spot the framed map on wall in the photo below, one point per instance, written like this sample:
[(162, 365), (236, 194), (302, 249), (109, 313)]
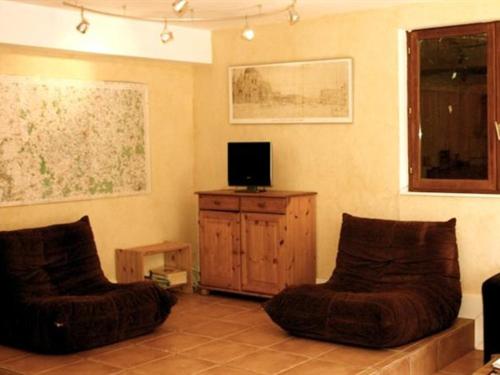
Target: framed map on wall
[(297, 92), (71, 140)]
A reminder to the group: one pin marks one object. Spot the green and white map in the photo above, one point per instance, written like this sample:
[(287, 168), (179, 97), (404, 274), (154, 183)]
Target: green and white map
[(71, 140)]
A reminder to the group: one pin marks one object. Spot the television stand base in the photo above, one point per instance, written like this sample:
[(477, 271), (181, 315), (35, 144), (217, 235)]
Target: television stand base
[(251, 189)]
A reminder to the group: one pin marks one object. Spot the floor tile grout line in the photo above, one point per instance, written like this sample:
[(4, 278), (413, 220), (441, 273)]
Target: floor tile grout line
[(238, 368), (294, 366), (137, 367), (374, 364), (172, 333), (204, 370), (120, 368), (167, 354), (11, 371), (227, 335), (257, 348), (179, 351), (146, 363), (105, 352), (57, 367), (230, 360), (241, 309), (19, 356), (261, 346), (269, 348)]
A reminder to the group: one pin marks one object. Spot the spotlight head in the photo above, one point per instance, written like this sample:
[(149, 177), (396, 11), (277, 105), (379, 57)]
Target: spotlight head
[(166, 35), (180, 6), (83, 26), (248, 33), (293, 16)]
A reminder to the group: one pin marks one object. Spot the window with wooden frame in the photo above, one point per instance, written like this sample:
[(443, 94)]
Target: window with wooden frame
[(454, 97)]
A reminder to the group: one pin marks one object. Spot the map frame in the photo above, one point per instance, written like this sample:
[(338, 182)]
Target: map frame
[(118, 105)]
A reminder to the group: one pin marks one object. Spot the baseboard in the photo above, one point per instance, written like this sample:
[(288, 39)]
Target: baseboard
[(472, 308)]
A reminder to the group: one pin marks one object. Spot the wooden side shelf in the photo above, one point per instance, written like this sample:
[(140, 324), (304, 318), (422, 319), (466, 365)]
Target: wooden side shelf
[(487, 369), (130, 262)]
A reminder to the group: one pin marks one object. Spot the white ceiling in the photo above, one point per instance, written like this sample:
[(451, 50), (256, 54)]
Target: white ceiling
[(224, 8)]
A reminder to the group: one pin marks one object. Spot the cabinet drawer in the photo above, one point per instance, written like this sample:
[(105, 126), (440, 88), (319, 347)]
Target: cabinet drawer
[(256, 204), (217, 202)]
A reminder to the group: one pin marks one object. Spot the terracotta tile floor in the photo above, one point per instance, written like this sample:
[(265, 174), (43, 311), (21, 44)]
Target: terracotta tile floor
[(223, 335)]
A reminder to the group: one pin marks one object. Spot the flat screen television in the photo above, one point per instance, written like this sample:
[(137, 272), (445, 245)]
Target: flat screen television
[(249, 164)]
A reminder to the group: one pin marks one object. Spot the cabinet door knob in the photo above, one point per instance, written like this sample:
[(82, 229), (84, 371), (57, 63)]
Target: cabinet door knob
[(217, 203), (261, 205)]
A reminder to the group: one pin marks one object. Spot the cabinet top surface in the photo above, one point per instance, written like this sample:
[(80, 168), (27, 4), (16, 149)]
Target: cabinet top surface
[(267, 193), (162, 247)]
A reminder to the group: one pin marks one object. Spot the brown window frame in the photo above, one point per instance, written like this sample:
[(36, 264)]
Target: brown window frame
[(416, 182)]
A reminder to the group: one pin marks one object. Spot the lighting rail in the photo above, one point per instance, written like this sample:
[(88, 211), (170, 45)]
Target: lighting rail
[(180, 7)]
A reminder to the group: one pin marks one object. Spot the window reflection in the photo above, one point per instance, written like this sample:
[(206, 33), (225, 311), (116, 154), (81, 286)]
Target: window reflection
[(453, 107)]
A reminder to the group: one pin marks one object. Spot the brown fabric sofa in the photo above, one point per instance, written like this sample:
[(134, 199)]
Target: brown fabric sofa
[(394, 282), (56, 298)]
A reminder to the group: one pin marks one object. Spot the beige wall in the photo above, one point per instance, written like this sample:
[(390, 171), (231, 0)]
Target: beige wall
[(354, 168), (169, 211)]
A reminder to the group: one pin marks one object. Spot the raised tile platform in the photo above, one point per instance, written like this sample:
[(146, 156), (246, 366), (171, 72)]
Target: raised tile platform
[(224, 335)]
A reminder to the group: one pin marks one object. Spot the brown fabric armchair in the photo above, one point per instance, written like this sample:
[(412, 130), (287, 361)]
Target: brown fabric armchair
[(394, 282), (57, 299)]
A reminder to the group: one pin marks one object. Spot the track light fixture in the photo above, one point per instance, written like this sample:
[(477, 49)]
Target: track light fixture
[(248, 33), (83, 26), (180, 6), (166, 35), (293, 15)]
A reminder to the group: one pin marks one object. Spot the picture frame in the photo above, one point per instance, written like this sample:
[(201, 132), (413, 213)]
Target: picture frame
[(315, 91)]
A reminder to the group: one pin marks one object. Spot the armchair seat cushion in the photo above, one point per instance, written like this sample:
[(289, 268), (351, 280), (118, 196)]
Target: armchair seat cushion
[(371, 319), (51, 310), (395, 282), (64, 324)]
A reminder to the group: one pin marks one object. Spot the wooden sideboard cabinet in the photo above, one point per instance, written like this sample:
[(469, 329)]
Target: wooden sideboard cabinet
[(256, 243)]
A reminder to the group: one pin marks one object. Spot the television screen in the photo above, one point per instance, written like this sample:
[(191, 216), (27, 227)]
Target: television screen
[(249, 164)]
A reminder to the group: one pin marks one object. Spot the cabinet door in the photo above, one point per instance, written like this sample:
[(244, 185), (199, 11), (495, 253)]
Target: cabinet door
[(220, 249), (263, 252)]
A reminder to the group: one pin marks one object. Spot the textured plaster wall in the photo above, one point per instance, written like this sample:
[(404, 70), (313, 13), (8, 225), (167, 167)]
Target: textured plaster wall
[(169, 211), (354, 167)]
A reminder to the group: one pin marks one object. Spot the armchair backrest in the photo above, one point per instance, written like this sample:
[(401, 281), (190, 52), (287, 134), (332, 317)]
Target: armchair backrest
[(382, 255), (59, 259)]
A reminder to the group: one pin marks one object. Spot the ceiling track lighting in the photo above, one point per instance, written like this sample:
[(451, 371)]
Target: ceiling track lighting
[(248, 33), (166, 35), (180, 7), (83, 26)]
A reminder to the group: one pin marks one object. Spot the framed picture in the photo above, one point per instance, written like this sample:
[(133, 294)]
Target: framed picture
[(297, 92)]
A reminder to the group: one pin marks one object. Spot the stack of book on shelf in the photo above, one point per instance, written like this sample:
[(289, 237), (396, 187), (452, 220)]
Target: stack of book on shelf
[(496, 367), (168, 277)]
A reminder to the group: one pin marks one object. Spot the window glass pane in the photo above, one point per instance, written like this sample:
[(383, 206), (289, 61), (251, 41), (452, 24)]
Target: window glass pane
[(453, 107)]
